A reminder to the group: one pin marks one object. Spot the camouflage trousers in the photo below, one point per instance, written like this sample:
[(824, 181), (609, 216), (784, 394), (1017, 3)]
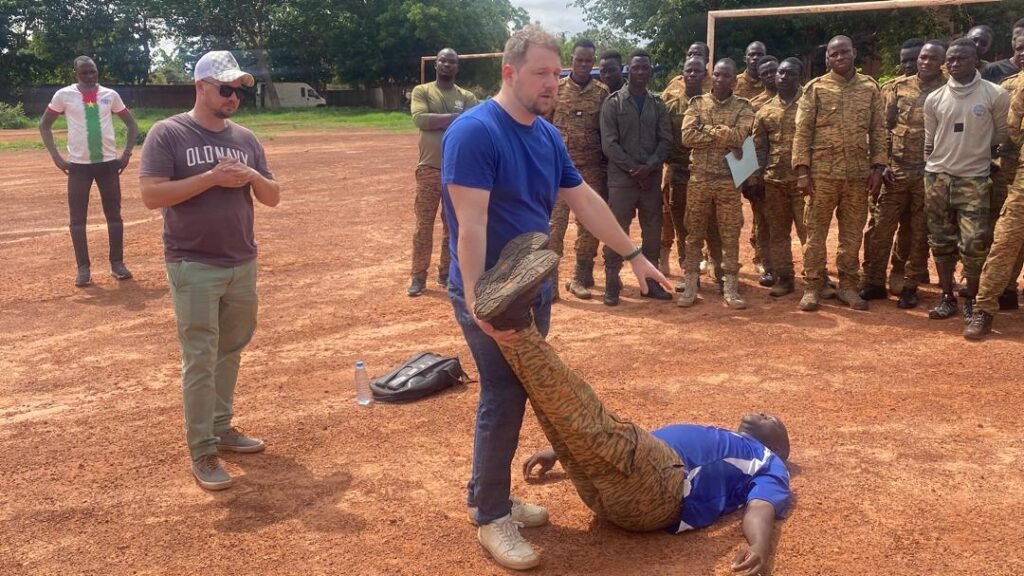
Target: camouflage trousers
[(629, 201), (760, 238), (784, 207), (713, 202), (428, 200), (902, 200), (959, 223), (1002, 266), (622, 472), (586, 243), (1001, 182), (674, 181), (848, 201), (900, 247)]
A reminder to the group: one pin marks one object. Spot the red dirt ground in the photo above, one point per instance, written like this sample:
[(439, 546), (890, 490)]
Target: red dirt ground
[(907, 447)]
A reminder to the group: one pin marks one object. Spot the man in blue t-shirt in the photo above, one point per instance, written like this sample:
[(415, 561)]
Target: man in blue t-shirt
[(677, 478), (503, 168)]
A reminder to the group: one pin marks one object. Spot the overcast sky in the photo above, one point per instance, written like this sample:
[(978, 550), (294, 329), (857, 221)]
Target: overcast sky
[(554, 15)]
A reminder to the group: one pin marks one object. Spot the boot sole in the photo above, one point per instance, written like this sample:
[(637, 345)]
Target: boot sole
[(513, 252), (525, 274), (242, 449), (212, 486), (121, 276)]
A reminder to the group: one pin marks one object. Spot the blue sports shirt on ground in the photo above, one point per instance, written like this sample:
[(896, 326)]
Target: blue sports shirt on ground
[(522, 166), (725, 470)]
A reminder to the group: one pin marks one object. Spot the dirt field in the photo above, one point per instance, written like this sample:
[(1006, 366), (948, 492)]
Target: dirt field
[(907, 447)]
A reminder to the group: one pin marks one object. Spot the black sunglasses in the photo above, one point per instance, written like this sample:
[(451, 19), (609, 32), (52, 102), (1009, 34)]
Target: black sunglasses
[(226, 91)]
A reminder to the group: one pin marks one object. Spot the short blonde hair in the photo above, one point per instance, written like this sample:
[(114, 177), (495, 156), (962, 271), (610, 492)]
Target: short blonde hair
[(520, 41)]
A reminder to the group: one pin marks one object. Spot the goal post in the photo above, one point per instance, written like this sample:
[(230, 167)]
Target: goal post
[(425, 59), (715, 15)]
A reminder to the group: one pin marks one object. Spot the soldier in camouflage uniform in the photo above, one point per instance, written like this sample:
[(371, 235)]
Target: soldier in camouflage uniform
[(774, 129), (903, 195), (901, 248), (839, 154), (714, 124), (963, 121), (754, 191), (434, 106), (748, 83), (577, 115), (636, 136), (1008, 238)]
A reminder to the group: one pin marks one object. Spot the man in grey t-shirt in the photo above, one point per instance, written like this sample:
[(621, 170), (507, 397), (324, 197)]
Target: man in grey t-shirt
[(203, 172)]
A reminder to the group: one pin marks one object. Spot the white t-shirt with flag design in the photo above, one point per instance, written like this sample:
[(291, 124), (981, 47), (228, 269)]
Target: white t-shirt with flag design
[(90, 126)]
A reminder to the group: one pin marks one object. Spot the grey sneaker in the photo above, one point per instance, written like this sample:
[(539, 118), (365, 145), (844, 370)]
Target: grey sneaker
[(120, 271), (210, 474), (529, 515), (233, 440), (83, 277)]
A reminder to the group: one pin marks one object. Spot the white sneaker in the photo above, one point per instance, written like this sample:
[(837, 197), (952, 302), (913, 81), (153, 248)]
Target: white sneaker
[(502, 540), (529, 515)]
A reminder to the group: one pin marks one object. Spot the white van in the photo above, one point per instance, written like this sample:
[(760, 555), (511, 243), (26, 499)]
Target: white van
[(292, 95)]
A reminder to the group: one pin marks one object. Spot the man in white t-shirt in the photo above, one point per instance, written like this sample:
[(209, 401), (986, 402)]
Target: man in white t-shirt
[(92, 155)]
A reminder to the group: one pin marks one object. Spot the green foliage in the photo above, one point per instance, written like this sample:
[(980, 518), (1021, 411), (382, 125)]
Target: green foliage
[(604, 38), (12, 117), (672, 25)]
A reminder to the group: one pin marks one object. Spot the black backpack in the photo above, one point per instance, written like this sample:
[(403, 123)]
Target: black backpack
[(422, 375)]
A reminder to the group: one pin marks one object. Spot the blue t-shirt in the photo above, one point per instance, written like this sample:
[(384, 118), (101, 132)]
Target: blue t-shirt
[(522, 166), (725, 470)]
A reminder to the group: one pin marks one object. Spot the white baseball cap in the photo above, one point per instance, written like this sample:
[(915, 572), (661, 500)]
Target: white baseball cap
[(221, 65)]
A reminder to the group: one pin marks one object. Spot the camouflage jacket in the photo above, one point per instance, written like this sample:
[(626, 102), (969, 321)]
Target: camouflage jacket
[(840, 127), (711, 127), (577, 115), (1015, 119), (904, 118), (747, 87), (676, 102), (757, 101), (774, 128)]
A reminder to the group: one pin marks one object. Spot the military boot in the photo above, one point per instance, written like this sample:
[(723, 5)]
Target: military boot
[(810, 301), (689, 295), (979, 326), (663, 266), (576, 286), (588, 276), (783, 286), (612, 287), (731, 293)]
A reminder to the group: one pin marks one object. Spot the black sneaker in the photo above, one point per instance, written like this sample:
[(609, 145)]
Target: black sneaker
[(908, 298), (417, 287), (968, 310), (120, 271), (654, 290), (873, 292), (1008, 300), (767, 279), (83, 278), (979, 326), (946, 309)]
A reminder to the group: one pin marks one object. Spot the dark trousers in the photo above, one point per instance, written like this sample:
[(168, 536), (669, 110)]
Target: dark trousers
[(628, 202), (80, 179)]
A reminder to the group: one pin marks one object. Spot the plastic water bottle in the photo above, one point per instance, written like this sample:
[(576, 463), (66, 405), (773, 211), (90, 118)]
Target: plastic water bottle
[(363, 394)]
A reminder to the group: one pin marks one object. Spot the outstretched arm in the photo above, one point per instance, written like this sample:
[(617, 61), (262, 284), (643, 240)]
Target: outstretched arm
[(758, 522)]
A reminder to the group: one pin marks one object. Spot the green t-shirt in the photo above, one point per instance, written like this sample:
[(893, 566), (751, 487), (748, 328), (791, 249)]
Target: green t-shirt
[(429, 99)]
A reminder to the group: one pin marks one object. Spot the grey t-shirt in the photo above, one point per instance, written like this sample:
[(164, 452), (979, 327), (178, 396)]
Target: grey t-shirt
[(216, 226)]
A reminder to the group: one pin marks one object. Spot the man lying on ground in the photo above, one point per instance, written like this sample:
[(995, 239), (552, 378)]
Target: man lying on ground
[(677, 478)]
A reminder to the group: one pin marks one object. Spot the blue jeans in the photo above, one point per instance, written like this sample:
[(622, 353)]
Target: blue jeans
[(499, 415)]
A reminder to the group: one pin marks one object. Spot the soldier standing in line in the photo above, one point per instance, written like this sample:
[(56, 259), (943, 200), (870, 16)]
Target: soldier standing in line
[(611, 72), (839, 154), (677, 169), (753, 191), (963, 121), (714, 124), (1008, 239), (577, 115), (435, 105), (749, 86), (636, 136), (901, 249), (903, 196), (1008, 160), (774, 129)]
